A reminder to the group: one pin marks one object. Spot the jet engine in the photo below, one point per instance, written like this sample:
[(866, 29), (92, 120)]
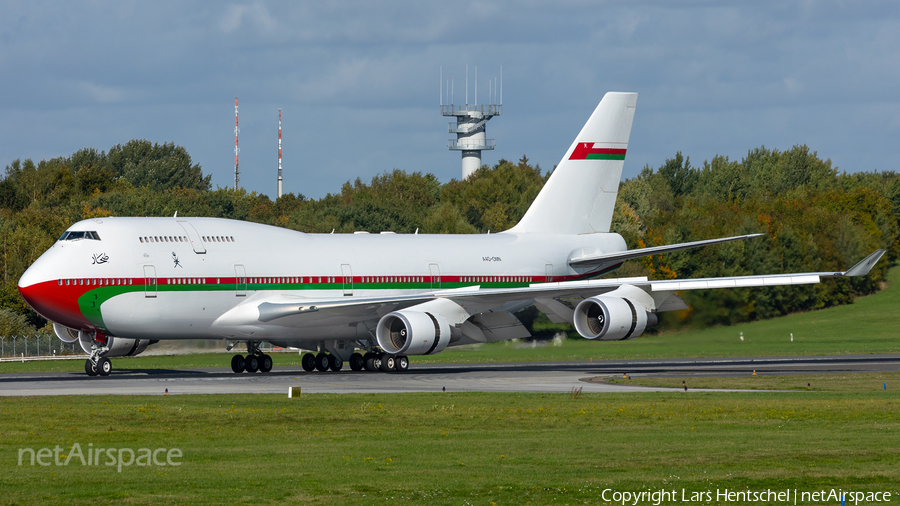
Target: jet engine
[(122, 346), (612, 318), (409, 332), (117, 346), (65, 334)]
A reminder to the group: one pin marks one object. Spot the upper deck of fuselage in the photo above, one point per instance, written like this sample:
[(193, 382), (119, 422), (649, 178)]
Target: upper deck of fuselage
[(111, 247)]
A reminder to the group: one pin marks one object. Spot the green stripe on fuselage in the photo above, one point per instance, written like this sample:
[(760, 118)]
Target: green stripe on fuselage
[(90, 302)]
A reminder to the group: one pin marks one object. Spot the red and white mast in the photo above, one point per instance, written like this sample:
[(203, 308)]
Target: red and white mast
[(237, 150), (279, 153)]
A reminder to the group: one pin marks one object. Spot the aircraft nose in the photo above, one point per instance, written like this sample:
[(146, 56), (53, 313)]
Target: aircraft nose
[(48, 299), (29, 287), (32, 276)]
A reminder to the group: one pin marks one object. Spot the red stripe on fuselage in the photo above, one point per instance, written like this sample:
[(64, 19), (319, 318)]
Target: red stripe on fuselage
[(58, 302)]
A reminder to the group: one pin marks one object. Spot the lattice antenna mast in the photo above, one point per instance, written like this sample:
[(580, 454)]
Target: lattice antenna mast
[(279, 153), (237, 178)]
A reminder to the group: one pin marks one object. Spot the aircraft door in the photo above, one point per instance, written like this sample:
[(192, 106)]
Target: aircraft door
[(548, 269), (240, 281), (193, 236), (149, 281), (347, 273), (435, 276)]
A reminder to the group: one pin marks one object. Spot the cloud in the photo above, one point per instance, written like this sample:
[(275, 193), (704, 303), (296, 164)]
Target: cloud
[(255, 14), (102, 94), (713, 77)]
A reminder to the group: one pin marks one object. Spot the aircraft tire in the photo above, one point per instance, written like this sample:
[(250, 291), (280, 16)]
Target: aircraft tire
[(376, 361), (401, 363), (237, 364), (265, 363), (251, 363), (387, 363), (335, 363), (370, 364), (322, 362), (356, 362), (89, 368), (308, 362), (104, 366)]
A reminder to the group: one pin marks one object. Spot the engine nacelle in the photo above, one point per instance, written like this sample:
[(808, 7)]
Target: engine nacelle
[(611, 318), (409, 332), (116, 346), (65, 334)]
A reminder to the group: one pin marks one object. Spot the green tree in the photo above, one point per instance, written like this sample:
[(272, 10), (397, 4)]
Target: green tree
[(158, 166)]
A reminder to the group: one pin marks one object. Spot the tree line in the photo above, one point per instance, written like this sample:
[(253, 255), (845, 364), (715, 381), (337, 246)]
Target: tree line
[(814, 217)]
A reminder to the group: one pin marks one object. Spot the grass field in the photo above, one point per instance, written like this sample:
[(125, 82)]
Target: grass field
[(451, 448), (870, 325), (841, 433), (851, 383)]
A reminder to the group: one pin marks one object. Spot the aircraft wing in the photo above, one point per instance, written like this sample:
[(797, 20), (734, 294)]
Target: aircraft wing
[(601, 261), (475, 300)]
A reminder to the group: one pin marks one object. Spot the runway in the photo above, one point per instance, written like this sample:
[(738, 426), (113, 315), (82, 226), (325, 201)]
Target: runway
[(535, 377)]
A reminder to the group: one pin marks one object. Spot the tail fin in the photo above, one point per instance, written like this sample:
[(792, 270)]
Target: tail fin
[(580, 195)]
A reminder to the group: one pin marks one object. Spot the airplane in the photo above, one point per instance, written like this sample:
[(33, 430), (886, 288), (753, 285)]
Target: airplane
[(118, 285)]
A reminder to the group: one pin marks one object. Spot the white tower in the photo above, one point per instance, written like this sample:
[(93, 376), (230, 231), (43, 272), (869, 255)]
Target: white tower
[(471, 120)]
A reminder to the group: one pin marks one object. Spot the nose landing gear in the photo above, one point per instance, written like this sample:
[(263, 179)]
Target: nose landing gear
[(98, 365)]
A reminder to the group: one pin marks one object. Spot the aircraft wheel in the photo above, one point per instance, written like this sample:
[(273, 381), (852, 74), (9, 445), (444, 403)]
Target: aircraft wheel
[(89, 368), (265, 363), (237, 363), (104, 366), (251, 363), (376, 362), (322, 362), (335, 363), (356, 362), (401, 363), (370, 364), (308, 362), (387, 363)]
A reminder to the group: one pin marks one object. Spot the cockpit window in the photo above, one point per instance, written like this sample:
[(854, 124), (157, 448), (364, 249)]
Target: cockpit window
[(76, 235)]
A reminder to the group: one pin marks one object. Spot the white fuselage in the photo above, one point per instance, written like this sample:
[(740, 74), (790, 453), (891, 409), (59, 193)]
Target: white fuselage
[(180, 278)]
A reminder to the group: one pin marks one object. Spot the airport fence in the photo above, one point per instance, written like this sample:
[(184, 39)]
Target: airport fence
[(37, 345)]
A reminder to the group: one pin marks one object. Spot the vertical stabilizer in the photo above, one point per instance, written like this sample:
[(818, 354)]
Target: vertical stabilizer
[(580, 195)]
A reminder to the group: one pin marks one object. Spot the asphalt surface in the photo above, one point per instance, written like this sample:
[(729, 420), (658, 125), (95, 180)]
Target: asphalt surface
[(536, 377)]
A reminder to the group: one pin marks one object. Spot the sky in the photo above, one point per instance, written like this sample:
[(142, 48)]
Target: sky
[(359, 82)]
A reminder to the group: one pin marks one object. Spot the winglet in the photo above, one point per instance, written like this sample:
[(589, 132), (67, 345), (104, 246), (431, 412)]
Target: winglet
[(864, 266)]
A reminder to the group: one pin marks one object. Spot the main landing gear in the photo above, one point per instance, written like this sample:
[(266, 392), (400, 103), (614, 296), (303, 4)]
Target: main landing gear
[(370, 362), (255, 360)]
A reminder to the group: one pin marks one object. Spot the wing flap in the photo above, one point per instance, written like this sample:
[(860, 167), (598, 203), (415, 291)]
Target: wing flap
[(736, 282)]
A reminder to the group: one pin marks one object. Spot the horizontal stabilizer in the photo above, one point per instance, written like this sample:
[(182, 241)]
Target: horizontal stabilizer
[(601, 260), (864, 266)]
